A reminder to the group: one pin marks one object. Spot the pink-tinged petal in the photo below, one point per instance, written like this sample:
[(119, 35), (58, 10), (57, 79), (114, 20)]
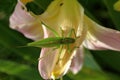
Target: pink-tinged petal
[(48, 58), (54, 63), (77, 61), (99, 37), (25, 23)]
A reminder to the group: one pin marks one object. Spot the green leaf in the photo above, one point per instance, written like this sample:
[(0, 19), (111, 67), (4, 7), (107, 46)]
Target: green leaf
[(90, 70), (109, 60), (20, 70), (115, 15)]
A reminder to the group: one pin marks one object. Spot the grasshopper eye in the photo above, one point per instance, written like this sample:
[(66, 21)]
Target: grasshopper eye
[(61, 4)]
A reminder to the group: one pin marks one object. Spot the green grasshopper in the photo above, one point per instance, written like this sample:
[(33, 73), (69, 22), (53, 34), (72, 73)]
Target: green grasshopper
[(56, 42), (53, 41)]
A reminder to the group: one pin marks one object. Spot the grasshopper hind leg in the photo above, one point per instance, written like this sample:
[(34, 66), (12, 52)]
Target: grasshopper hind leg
[(72, 31)]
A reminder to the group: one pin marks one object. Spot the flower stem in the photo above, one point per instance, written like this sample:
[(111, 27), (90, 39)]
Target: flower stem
[(61, 78)]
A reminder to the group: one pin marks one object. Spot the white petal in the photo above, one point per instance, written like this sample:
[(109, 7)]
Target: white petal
[(47, 62), (24, 22), (77, 61), (99, 37)]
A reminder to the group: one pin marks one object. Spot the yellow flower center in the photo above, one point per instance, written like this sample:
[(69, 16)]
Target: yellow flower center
[(25, 1)]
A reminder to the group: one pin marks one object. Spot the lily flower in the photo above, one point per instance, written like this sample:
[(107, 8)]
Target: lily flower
[(62, 16)]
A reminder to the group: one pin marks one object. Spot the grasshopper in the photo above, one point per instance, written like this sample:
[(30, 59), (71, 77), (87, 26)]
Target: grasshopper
[(53, 41)]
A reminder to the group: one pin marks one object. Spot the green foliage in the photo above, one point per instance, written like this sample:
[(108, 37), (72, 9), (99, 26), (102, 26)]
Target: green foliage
[(21, 63), (115, 15)]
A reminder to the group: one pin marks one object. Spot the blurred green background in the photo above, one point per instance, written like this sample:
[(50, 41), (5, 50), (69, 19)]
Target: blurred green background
[(21, 63)]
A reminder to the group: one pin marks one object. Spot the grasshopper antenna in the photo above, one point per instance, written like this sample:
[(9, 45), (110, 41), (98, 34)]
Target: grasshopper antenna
[(21, 46)]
